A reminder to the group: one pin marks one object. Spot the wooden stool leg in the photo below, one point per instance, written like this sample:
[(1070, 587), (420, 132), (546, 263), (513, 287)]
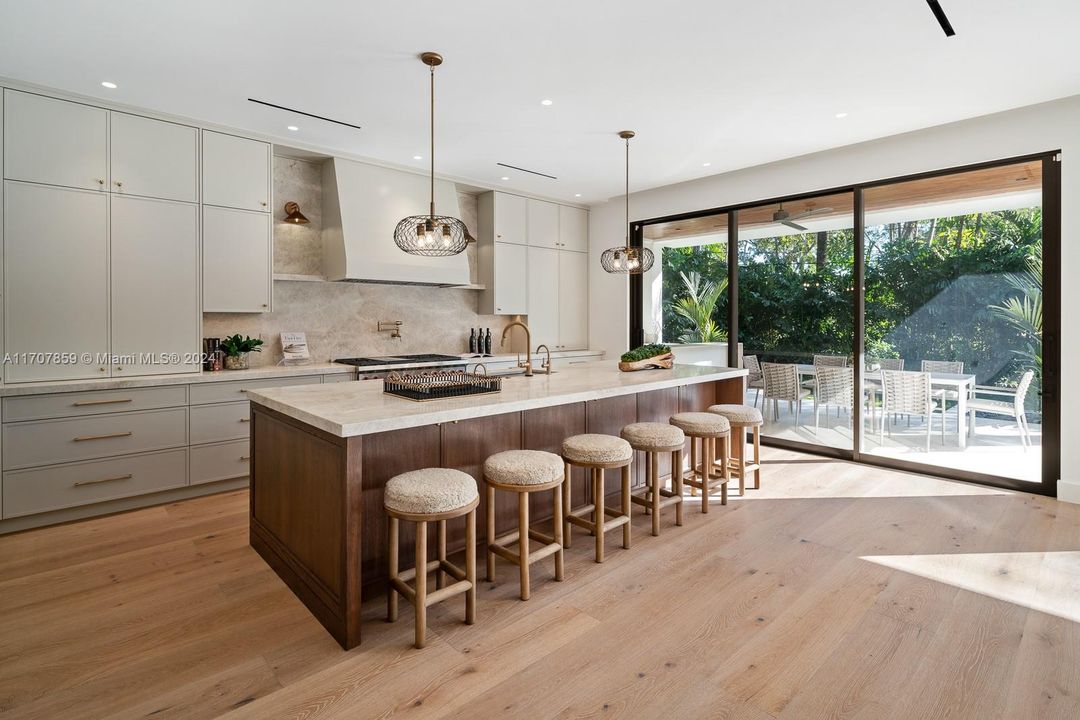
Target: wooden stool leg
[(598, 512), (557, 516), (489, 518), (470, 566), (757, 457), (523, 542), (421, 583), (706, 471), (676, 483), (725, 473), (739, 439), (648, 479), (626, 505), (391, 593), (693, 465), (566, 505), (655, 482), (440, 576)]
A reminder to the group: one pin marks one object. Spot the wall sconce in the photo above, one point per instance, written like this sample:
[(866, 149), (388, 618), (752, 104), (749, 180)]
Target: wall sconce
[(293, 214)]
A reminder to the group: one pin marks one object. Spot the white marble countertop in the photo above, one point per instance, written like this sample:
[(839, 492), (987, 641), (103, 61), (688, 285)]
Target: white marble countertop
[(360, 408), (257, 373)]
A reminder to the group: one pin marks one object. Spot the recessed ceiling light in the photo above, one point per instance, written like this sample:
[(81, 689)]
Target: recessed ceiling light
[(545, 102), (841, 115), (504, 178), (110, 85), (292, 128), (417, 157), (577, 194), (706, 164)]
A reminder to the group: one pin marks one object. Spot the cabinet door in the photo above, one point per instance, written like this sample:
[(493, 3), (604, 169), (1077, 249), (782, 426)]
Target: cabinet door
[(573, 300), (543, 223), (235, 172), (154, 276), (238, 260), (55, 142), (237, 264), (154, 158), (56, 279), (511, 224), (511, 279), (543, 289), (573, 229)]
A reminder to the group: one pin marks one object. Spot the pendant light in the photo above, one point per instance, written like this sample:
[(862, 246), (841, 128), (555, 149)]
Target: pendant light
[(431, 235), (626, 260)]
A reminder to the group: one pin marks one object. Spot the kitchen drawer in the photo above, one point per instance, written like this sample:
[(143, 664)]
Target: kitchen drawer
[(64, 486), (339, 377), (220, 461), (78, 404), (48, 442), (226, 390), (227, 421)]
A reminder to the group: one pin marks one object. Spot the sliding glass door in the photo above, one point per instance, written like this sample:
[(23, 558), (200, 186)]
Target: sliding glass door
[(905, 323)]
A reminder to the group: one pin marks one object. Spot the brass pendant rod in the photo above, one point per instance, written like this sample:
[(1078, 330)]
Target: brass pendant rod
[(627, 192), (432, 210)]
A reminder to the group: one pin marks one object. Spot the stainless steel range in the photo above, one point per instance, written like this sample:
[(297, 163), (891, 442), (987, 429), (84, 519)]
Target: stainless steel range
[(373, 368)]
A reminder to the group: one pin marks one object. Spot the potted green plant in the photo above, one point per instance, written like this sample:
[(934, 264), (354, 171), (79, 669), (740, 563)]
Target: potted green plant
[(236, 350)]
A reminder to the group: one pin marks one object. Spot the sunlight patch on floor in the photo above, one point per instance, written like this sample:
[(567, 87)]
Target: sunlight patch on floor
[(1048, 582)]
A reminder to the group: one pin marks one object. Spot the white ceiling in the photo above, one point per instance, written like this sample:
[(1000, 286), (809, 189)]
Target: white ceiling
[(731, 83)]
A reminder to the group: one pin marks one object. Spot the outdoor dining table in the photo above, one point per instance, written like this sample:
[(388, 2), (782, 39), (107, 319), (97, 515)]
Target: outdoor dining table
[(960, 383)]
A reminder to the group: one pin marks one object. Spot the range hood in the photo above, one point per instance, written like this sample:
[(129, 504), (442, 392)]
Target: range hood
[(362, 205)]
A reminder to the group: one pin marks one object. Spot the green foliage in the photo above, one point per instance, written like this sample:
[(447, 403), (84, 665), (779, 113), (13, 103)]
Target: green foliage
[(645, 352), (698, 306), (235, 345), (1024, 311)]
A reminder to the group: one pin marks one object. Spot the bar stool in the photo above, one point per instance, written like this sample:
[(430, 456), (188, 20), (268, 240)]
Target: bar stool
[(742, 417), (653, 438), (524, 472), (597, 453), (704, 429), (423, 496)]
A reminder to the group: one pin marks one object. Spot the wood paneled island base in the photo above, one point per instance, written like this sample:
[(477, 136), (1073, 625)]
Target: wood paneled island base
[(316, 497)]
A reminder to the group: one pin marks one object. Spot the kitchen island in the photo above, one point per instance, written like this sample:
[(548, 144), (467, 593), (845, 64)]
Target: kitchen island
[(320, 456)]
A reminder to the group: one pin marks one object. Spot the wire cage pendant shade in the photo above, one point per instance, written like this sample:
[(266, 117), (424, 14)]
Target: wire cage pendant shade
[(627, 260), (432, 235)]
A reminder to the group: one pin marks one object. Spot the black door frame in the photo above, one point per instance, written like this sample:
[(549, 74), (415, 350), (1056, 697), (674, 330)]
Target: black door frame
[(1051, 410)]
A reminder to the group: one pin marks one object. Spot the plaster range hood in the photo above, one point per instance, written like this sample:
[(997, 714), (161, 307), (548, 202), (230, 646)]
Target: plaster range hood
[(362, 205)]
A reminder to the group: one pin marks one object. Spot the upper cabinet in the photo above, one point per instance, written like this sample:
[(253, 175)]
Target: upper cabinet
[(510, 218), (573, 228), (543, 224), (55, 142), (235, 172), (237, 261), (152, 158)]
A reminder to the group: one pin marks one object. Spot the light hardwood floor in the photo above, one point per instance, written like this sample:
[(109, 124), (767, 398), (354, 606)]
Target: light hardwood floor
[(836, 591)]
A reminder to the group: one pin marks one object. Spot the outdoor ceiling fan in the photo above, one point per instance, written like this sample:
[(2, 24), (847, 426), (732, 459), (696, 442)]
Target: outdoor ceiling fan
[(783, 217)]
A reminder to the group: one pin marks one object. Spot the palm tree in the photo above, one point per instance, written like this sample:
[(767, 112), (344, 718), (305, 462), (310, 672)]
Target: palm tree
[(1024, 310), (698, 307)]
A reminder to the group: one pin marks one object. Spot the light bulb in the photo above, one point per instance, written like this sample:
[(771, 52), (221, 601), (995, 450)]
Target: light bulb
[(446, 236)]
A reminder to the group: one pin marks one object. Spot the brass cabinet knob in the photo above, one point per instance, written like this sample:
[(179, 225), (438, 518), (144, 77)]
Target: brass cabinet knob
[(100, 181), (101, 369), (120, 369), (263, 204), (119, 184)]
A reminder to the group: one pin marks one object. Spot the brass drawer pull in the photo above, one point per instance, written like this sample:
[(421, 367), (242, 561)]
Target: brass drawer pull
[(247, 419), (245, 457), (103, 480), (87, 403), (84, 438)]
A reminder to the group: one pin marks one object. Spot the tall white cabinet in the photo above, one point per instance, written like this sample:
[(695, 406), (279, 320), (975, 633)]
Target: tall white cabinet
[(100, 242), (534, 261)]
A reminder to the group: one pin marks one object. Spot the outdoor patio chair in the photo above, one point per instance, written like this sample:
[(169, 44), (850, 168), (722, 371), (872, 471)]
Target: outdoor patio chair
[(835, 386), (821, 361), (754, 381), (908, 393), (1013, 407), (953, 367), (782, 384)]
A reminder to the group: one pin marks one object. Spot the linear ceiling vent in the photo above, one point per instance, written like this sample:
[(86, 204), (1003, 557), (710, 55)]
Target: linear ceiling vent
[(526, 170), (305, 114)]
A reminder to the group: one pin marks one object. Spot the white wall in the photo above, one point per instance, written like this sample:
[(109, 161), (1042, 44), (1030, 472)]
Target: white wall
[(1034, 129)]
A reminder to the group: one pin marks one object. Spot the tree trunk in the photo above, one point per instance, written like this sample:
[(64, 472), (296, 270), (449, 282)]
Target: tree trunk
[(960, 232), (930, 235), (822, 246)]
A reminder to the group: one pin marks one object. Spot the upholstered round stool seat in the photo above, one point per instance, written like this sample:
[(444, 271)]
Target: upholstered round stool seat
[(593, 448), (653, 436), (430, 491), (524, 467), (738, 414), (701, 423)]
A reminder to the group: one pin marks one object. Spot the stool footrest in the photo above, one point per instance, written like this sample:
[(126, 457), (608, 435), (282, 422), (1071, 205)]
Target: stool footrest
[(448, 591), (534, 555), (410, 574), (666, 500)]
